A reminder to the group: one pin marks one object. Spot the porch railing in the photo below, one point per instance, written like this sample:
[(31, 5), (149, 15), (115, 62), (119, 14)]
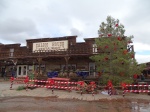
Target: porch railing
[(27, 53)]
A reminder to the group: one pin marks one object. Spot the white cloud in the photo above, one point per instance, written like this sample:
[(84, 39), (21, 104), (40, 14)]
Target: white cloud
[(75, 31), (142, 58), (22, 19), (140, 47), (142, 52)]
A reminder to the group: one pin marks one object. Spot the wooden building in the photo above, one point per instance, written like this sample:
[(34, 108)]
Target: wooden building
[(48, 54), (146, 71)]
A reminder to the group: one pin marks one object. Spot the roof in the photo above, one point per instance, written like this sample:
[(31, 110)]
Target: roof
[(53, 38)]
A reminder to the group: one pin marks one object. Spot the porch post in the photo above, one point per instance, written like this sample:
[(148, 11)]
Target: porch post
[(15, 66), (33, 66), (67, 60), (39, 62)]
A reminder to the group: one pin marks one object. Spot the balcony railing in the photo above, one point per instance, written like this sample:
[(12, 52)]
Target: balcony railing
[(71, 51)]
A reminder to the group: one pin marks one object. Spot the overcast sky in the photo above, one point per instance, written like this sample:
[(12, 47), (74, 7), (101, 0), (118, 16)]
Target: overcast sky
[(26, 19)]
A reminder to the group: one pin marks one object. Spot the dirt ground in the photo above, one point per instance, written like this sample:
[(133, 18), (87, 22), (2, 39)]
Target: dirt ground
[(42, 100), (53, 104)]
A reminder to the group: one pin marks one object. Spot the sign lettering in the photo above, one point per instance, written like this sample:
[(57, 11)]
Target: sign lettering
[(53, 45)]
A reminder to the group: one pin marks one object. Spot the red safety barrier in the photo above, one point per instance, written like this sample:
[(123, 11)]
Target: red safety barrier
[(56, 82), (92, 86), (110, 87), (140, 88), (137, 85), (23, 80), (56, 87), (12, 80), (135, 91), (67, 85), (81, 86)]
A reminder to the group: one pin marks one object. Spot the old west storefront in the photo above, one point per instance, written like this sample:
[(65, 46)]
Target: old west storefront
[(48, 54)]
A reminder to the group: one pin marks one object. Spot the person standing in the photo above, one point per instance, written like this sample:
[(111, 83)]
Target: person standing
[(15, 72), (2, 72), (5, 74)]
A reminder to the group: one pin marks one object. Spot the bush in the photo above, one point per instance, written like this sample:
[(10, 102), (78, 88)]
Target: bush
[(20, 88)]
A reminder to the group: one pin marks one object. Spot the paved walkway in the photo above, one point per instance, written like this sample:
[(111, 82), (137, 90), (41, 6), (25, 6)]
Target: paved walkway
[(63, 94)]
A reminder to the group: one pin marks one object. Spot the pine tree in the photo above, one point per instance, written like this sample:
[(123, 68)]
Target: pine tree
[(115, 59)]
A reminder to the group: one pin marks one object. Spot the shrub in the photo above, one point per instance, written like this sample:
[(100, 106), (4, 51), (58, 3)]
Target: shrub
[(20, 88)]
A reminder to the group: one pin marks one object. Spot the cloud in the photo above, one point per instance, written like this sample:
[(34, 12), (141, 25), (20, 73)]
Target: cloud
[(137, 22), (142, 52), (142, 58), (24, 19), (3, 5), (75, 31), (17, 30), (139, 47), (12, 26)]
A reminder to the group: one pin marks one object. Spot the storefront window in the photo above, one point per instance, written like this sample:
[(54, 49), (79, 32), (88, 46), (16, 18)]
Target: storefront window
[(70, 67), (19, 71)]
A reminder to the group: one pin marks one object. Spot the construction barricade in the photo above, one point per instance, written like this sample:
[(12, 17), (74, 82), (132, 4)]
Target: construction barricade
[(131, 88), (53, 84), (65, 84), (20, 80)]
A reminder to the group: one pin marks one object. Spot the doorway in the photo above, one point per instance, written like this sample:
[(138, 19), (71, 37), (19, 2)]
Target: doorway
[(92, 69), (21, 70)]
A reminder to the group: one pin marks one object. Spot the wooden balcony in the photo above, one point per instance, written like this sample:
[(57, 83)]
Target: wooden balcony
[(80, 51)]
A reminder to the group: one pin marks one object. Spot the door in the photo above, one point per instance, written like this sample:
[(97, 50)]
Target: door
[(21, 70), (92, 69)]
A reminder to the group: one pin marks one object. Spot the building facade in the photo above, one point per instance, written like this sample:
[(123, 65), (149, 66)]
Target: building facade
[(48, 54), (146, 71)]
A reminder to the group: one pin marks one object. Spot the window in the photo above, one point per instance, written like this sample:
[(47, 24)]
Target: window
[(94, 48), (42, 69), (11, 52), (24, 70), (91, 68), (19, 72), (70, 67)]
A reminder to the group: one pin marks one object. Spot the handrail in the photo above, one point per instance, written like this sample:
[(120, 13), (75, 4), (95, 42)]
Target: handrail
[(71, 51)]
